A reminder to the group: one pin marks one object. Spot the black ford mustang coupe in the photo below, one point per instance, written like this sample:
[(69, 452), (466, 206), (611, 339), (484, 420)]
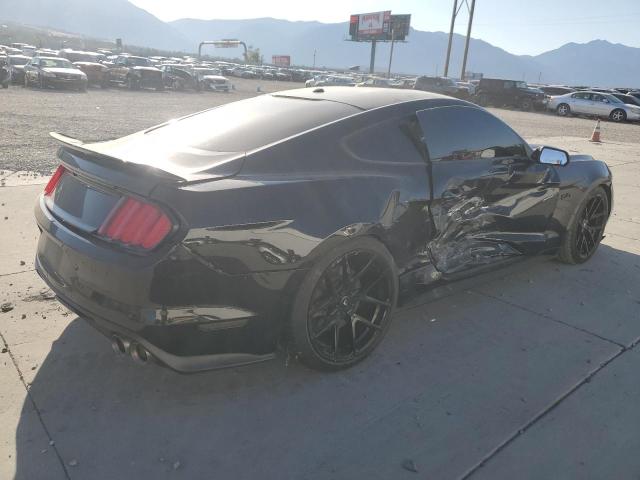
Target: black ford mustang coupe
[(295, 218)]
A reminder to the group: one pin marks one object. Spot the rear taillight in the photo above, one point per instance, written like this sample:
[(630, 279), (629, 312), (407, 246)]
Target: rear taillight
[(53, 181), (137, 224)]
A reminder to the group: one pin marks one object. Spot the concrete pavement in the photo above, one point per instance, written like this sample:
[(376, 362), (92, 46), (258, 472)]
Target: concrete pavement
[(526, 373)]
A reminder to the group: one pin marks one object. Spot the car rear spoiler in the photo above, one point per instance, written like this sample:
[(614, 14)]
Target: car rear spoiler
[(78, 146)]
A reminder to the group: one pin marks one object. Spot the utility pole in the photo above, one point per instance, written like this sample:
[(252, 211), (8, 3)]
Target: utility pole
[(393, 40), (372, 64), (314, 58), (453, 21), (466, 45)]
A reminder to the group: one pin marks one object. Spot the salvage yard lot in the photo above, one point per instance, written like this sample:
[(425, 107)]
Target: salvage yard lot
[(525, 373), (28, 115)]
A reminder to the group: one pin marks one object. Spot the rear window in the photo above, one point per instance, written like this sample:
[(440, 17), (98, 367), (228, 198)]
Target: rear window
[(247, 124)]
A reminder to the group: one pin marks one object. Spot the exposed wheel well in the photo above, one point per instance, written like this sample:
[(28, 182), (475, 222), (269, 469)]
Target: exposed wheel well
[(607, 190)]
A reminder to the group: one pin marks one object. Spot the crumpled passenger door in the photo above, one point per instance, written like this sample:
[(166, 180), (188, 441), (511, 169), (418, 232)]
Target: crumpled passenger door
[(489, 200)]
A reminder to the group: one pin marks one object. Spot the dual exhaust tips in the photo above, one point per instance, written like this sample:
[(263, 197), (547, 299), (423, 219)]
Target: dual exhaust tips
[(124, 346)]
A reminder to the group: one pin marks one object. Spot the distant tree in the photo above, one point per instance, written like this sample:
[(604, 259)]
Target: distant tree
[(253, 55)]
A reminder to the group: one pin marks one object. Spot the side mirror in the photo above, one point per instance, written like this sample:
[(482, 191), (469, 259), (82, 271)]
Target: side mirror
[(551, 156)]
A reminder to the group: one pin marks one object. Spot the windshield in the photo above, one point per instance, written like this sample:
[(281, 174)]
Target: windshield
[(55, 63), (139, 62), (235, 127), (81, 57), (207, 71)]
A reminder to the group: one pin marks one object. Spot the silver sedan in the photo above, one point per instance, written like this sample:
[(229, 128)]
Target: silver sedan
[(594, 103)]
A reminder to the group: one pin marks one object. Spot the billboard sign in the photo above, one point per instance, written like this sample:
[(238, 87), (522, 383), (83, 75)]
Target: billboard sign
[(378, 26), (281, 60), (400, 25), (370, 26)]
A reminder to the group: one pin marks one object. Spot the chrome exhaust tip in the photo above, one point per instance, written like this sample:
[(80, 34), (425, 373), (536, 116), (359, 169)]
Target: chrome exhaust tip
[(139, 354), (120, 345)]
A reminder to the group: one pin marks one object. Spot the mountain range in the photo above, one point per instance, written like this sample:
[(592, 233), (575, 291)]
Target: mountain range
[(595, 63)]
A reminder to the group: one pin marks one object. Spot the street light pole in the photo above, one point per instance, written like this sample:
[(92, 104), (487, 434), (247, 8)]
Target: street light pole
[(393, 41), (453, 21), (466, 45), (314, 58), (372, 64)]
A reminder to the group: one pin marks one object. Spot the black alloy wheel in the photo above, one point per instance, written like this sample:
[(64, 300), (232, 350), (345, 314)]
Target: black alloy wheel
[(345, 305), (587, 228)]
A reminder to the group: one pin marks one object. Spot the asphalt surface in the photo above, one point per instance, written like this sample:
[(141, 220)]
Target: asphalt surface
[(526, 373), (28, 115)]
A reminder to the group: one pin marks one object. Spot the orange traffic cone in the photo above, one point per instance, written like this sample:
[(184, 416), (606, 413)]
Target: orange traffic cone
[(595, 136)]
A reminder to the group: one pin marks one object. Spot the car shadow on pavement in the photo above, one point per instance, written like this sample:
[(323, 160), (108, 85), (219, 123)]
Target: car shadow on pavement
[(454, 378)]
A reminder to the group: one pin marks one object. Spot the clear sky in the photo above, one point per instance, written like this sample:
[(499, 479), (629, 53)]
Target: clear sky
[(518, 26)]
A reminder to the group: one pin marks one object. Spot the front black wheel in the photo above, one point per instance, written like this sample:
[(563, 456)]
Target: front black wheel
[(344, 306), (526, 104), (586, 229), (483, 100)]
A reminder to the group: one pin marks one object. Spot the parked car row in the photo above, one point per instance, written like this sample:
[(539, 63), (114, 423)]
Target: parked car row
[(78, 70), (618, 105)]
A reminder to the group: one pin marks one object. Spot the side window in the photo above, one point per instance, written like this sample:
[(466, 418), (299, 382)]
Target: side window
[(467, 133), (395, 140), (580, 96)]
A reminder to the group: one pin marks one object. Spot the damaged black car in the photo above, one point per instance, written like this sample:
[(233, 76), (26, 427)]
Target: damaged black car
[(295, 219)]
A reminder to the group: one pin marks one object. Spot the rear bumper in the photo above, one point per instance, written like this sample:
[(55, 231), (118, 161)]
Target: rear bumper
[(189, 316), (182, 364)]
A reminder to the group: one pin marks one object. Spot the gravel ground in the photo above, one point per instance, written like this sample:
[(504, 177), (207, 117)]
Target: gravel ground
[(27, 116)]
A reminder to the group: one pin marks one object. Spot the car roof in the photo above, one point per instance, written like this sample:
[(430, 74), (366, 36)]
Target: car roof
[(363, 98)]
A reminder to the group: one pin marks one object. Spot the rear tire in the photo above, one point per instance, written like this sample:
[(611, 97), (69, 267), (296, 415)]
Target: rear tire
[(132, 83), (564, 110), (483, 100), (586, 228), (344, 306), (618, 115), (526, 104)]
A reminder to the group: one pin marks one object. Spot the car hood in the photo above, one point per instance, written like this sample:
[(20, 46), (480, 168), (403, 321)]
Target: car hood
[(93, 65), (533, 91), (213, 77), (73, 71), (145, 69)]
